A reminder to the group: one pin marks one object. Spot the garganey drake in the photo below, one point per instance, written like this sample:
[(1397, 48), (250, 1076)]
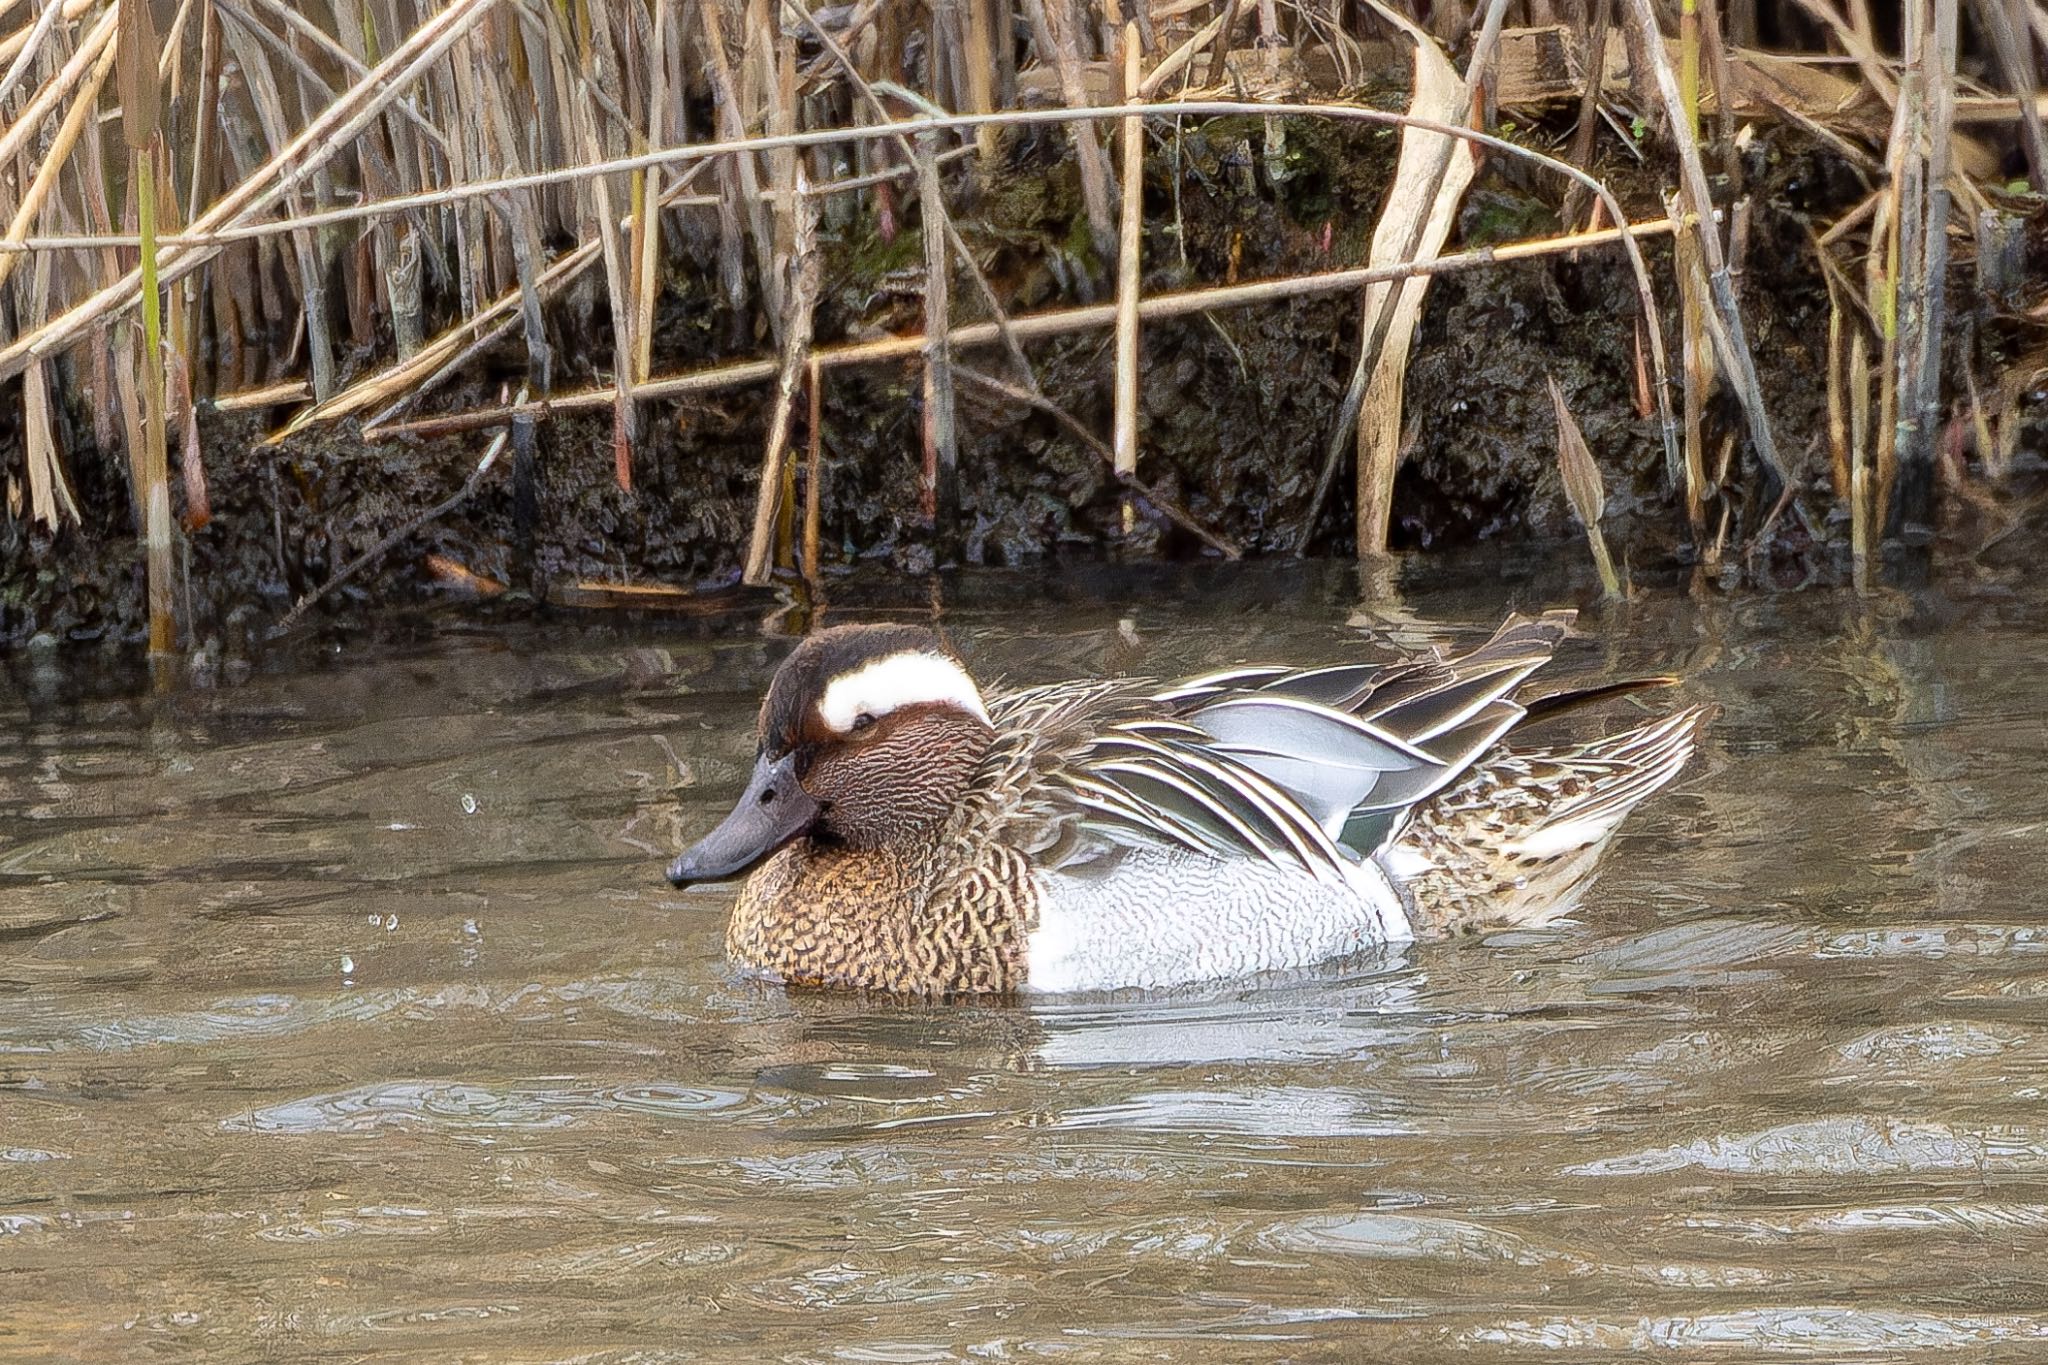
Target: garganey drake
[(906, 834)]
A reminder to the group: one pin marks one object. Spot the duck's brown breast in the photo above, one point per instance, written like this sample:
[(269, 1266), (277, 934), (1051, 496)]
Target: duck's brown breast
[(875, 920)]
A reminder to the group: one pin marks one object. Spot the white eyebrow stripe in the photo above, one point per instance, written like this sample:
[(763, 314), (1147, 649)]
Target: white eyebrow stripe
[(912, 678)]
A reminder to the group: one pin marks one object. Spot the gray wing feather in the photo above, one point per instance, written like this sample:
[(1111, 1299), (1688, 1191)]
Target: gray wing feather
[(1272, 763)]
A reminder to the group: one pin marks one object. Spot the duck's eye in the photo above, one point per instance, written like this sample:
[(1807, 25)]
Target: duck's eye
[(863, 721)]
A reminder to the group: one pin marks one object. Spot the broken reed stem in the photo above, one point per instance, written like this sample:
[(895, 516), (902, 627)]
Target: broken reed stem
[(1696, 363), (1054, 322)]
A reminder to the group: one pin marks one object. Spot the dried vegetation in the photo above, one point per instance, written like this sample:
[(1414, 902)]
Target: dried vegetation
[(384, 217)]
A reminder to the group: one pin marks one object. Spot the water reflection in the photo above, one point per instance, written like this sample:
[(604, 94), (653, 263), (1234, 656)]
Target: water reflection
[(345, 1012)]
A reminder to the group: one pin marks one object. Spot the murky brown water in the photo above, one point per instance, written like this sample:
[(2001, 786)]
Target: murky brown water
[(346, 1013)]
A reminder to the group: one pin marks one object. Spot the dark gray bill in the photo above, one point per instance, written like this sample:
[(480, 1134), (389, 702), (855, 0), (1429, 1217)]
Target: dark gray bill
[(772, 810)]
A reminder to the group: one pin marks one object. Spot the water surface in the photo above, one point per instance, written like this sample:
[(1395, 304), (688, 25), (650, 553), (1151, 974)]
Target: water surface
[(344, 1013)]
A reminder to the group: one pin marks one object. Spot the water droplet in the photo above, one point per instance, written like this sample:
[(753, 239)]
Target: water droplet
[(390, 922), (348, 965), (468, 804)]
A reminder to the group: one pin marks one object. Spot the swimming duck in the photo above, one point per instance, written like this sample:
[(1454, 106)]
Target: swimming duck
[(907, 834)]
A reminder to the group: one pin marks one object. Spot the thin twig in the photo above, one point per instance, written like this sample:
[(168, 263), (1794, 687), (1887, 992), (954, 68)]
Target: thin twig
[(1168, 508), (377, 551)]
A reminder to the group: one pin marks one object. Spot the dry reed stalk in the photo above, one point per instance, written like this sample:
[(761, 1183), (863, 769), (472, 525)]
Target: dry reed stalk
[(184, 410), (214, 235), (1839, 456), (1056, 322), (32, 40), (1582, 486), (936, 208), (1727, 328), (270, 396), (979, 59), (1430, 179), (1862, 512), (334, 49), (1182, 57), (1219, 56), (204, 139), (322, 139), (411, 378), (1689, 64), (1129, 251), (731, 233), (590, 128), (1856, 34), (941, 440), (646, 232), (59, 87), (83, 107), (1581, 153), (814, 473), (1927, 95), (1270, 43), (1724, 90), (15, 43), (49, 491), (138, 82), (268, 101), (2014, 48), (805, 272), (1696, 361)]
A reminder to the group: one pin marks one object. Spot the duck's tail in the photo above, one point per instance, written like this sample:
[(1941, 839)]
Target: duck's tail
[(1516, 841)]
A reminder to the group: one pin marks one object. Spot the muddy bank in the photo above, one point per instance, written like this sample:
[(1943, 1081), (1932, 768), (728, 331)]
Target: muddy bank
[(1236, 409)]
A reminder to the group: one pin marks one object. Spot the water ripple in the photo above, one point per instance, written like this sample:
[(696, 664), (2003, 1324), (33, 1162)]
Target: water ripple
[(1401, 1236), (1820, 1331), (1272, 1111), (1857, 1145), (457, 1107)]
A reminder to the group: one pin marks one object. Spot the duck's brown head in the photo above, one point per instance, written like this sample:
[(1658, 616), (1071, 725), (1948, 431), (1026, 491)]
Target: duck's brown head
[(867, 737)]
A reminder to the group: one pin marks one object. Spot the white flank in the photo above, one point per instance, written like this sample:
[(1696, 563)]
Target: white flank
[(913, 678), (1170, 917)]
